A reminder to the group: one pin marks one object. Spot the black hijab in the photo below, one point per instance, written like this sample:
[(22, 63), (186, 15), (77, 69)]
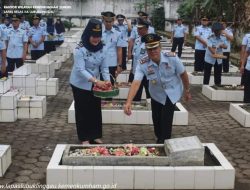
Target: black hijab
[(93, 28), (59, 27)]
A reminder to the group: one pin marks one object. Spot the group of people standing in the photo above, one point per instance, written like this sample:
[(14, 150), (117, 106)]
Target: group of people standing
[(16, 36), (102, 52), (209, 43)]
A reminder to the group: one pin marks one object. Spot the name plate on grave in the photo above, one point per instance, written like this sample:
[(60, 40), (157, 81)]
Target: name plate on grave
[(186, 151)]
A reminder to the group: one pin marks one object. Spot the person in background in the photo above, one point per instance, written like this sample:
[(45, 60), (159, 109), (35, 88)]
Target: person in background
[(25, 25), (216, 42), (139, 52), (49, 43), (36, 38), (113, 43), (245, 41), (17, 40), (179, 36), (42, 22), (3, 66), (59, 32), (88, 63), (167, 76), (201, 35), (245, 69), (227, 32), (124, 29), (5, 26), (134, 33)]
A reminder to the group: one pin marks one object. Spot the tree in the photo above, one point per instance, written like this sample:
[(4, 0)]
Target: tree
[(147, 5), (234, 11), (158, 18)]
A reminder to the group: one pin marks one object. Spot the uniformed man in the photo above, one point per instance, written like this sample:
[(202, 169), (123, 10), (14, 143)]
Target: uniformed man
[(201, 34), (16, 44), (6, 21), (124, 29), (134, 33), (5, 27), (167, 76), (24, 24), (245, 69), (139, 52), (36, 38), (245, 41), (88, 63), (113, 43), (228, 33), (179, 36), (216, 42), (42, 22)]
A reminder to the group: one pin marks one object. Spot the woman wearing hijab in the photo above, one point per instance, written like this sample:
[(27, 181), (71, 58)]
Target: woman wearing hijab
[(59, 30), (88, 63), (49, 44)]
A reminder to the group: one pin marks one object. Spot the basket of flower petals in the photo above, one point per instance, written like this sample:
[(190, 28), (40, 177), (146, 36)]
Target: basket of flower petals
[(108, 92)]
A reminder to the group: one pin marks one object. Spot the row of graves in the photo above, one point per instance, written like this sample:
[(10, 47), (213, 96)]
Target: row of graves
[(23, 93), (180, 163)]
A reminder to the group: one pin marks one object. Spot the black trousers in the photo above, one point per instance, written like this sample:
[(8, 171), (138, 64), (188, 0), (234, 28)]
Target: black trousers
[(247, 86), (36, 54), (58, 43), (225, 62), (14, 62), (178, 42), (162, 116), (242, 82), (124, 58), (199, 56), (144, 83), (49, 46), (217, 73), (88, 114)]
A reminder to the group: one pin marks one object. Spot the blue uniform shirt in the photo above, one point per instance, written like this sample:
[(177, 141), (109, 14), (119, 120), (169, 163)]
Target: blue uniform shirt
[(4, 29), (36, 33), (111, 40), (164, 80), (87, 65), (124, 33), (179, 31), (247, 67), (16, 39), (246, 39), (43, 24), (228, 43), (25, 25), (134, 33), (214, 42), (139, 51), (204, 33)]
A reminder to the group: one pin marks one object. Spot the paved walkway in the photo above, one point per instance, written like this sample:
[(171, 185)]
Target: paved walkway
[(33, 140)]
